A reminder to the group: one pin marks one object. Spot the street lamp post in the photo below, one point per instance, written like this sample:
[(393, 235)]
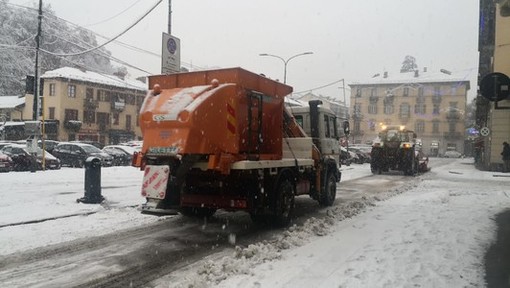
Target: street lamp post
[(285, 62)]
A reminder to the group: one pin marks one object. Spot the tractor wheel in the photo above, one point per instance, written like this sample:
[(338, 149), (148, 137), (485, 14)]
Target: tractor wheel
[(411, 167)]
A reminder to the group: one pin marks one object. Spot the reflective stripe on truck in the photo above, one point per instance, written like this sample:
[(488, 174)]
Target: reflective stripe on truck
[(155, 180)]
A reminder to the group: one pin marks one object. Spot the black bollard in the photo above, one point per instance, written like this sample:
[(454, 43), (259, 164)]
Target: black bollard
[(92, 182)]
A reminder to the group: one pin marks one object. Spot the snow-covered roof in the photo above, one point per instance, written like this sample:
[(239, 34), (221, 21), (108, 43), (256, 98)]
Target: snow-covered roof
[(410, 77), (93, 77), (11, 102)]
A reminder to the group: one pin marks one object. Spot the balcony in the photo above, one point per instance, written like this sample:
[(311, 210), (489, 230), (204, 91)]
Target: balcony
[(118, 106), (452, 115), (452, 135), (90, 104), (357, 115), (72, 125)]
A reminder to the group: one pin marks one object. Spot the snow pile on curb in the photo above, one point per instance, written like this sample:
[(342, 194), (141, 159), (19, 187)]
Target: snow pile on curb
[(243, 260)]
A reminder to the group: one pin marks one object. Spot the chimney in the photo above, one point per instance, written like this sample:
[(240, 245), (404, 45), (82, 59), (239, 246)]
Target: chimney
[(416, 73), (385, 74)]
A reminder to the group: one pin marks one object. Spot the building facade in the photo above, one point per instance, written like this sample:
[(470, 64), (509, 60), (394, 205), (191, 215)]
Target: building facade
[(87, 106), (432, 104), (494, 48)]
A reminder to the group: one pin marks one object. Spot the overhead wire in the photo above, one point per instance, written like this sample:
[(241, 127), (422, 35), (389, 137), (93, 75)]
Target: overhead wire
[(111, 40), (114, 16)]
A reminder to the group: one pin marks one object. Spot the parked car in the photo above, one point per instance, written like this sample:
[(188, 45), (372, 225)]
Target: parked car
[(120, 157), (49, 145), (363, 157), (452, 154), (23, 160), (74, 154), (345, 157), (93, 143), (6, 163)]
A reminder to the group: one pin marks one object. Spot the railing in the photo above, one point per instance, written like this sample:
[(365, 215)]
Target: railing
[(118, 106), (453, 115), (90, 104), (452, 135), (73, 125)]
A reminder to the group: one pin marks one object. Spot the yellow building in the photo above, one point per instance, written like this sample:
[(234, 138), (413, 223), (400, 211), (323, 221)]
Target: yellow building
[(494, 47), (430, 103), (87, 106)]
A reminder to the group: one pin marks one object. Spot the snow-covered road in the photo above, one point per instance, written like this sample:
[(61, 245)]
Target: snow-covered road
[(431, 231)]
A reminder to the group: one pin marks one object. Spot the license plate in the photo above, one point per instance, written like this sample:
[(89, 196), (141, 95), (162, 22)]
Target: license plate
[(155, 180), (172, 150)]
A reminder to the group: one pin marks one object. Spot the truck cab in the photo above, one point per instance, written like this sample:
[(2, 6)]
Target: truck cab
[(327, 136)]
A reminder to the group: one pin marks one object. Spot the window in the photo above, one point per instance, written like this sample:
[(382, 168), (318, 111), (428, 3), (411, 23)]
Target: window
[(357, 110), (357, 126), (420, 109), (372, 109), (373, 92), (103, 118), (52, 89), (89, 117), (420, 92), (420, 126), (71, 91), (299, 120), (435, 126), (115, 118), (70, 114), (388, 109), (51, 112), (326, 127), (435, 109), (405, 110), (437, 91), (406, 91), (454, 90), (89, 93), (128, 122), (358, 92), (103, 95), (371, 124), (332, 127)]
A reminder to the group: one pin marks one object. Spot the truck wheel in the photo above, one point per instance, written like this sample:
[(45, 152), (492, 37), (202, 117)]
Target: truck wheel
[(283, 205), (328, 195)]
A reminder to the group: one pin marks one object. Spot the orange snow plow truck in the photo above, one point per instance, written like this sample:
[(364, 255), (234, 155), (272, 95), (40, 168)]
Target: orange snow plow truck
[(223, 139)]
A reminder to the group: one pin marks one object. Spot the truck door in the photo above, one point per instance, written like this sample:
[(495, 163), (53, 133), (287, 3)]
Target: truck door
[(329, 136)]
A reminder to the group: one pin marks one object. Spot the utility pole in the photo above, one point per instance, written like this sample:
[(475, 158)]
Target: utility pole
[(170, 17), (35, 114)]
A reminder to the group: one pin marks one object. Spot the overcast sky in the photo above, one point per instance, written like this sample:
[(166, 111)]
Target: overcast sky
[(350, 39)]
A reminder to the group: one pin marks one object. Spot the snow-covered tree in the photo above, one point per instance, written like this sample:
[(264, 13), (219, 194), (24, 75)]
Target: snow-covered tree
[(18, 27), (409, 64)]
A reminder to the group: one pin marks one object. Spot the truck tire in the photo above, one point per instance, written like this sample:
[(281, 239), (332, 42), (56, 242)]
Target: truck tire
[(328, 195), (283, 203)]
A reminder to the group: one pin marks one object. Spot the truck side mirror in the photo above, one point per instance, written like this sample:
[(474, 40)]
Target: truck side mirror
[(347, 131)]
